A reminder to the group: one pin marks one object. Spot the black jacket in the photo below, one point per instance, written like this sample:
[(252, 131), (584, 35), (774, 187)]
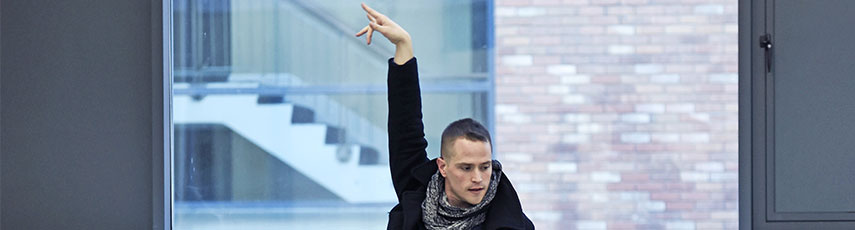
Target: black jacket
[(411, 169)]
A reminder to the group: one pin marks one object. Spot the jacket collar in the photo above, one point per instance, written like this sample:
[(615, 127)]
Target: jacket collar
[(425, 171), (505, 211)]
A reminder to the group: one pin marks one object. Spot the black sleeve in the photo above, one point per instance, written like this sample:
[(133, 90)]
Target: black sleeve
[(407, 142)]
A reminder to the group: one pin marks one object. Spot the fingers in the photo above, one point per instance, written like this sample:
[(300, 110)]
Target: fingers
[(377, 27), (376, 22), (367, 30), (371, 12), (370, 34), (371, 18), (361, 32)]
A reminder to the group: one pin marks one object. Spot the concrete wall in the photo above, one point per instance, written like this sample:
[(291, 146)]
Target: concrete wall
[(77, 90)]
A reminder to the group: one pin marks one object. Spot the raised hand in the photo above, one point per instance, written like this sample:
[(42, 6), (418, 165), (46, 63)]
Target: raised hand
[(390, 30), (384, 25)]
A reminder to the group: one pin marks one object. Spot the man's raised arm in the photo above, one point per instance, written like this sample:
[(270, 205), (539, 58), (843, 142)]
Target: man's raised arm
[(406, 130)]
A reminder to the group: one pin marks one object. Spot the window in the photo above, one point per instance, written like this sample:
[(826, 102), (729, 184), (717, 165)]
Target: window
[(280, 112), (608, 114)]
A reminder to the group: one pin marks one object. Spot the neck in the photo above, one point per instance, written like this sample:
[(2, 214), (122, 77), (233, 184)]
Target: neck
[(454, 201), (458, 203)]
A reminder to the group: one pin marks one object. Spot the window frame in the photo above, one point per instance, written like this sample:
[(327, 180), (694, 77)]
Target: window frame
[(163, 66)]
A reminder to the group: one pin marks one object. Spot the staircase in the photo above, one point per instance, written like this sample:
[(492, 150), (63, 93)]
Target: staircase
[(289, 132), (314, 135)]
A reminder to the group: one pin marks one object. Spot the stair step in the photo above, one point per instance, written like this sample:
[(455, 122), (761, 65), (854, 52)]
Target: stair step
[(270, 99), (368, 156), (335, 135), (302, 115), (299, 115)]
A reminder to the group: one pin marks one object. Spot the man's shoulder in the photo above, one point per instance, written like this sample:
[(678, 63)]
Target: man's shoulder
[(506, 186), (505, 181), (506, 211), (424, 171)]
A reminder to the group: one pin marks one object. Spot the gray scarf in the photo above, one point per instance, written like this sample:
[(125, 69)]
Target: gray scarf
[(437, 213)]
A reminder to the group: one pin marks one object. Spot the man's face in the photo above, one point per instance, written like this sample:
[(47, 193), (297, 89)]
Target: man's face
[(467, 172)]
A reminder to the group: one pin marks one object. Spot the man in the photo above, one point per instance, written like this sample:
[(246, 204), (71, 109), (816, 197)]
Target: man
[(462, 189)]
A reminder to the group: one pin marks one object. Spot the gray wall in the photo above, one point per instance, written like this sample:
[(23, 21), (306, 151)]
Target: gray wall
[(77, 92)]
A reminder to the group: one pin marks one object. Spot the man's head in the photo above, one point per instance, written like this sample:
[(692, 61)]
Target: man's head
[(466, 162)]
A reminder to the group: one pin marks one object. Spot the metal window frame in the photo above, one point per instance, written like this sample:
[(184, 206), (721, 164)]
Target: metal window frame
[(162, 44), (491, 70), (162, 53)]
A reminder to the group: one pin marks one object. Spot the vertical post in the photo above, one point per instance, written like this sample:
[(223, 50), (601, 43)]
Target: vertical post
[(162, 114)]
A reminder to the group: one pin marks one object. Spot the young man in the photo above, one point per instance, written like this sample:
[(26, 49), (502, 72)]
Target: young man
[(462, 189)]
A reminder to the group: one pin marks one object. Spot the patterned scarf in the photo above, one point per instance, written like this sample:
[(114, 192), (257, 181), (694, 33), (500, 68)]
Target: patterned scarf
[(437, 213)]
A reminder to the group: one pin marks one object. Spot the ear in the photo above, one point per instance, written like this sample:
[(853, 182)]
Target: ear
[(440, 163)]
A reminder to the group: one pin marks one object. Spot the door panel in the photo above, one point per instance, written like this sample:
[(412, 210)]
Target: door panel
[(813, 122)]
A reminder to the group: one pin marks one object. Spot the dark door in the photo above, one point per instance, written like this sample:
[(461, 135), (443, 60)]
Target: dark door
[(802, 114)]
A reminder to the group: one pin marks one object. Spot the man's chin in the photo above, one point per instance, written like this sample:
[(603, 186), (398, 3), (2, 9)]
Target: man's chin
[(474, 202)]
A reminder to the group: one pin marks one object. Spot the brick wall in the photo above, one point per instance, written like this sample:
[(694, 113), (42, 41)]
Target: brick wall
[(619, 114)]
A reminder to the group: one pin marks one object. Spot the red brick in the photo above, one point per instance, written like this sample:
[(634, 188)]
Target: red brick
[(634, 177), (679, 206), (665, 196)]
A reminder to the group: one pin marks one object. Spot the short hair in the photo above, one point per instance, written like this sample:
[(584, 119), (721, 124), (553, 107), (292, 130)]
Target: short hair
[(464, 128)]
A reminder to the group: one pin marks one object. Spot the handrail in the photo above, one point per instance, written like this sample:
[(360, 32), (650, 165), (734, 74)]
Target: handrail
[(477, 86)]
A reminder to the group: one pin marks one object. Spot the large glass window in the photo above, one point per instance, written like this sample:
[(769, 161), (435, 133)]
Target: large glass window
[(608, 114), (280, 112)]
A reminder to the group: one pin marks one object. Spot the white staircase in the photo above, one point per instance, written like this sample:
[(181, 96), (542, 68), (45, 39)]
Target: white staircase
[(303, 146)]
